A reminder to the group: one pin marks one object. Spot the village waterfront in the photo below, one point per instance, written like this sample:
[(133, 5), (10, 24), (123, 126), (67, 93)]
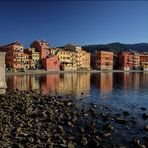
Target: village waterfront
[(83, 109)]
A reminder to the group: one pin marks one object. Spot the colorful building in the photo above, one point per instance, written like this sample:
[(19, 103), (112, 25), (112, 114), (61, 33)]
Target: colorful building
[(14, 55), (124, 60), (51, 63), (34, 57), (129, 60), (2, 72), (102, 60), (42, 47), (80, 57), (66, 57), (67, 60), (135, 60), (144, 61), (83, 60), (26, 61)]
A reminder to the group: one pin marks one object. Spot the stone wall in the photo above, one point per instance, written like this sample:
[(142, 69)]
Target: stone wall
[(2, 72)]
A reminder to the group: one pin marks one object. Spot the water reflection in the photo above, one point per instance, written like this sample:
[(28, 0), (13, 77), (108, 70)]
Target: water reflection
[(125, 90), (68, 83), (104, 82), (78, 83)]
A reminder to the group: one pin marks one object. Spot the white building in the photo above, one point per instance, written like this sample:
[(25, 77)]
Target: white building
[(2, 72)]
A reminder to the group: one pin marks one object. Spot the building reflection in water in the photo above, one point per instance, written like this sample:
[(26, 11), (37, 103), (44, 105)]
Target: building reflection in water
[(130, 80), (104, 82), (22, 82), (106, 85), (49, 83), (74, 83), (68, 83)]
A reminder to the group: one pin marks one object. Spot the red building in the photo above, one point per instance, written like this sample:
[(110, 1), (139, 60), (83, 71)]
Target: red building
[(143, 58), (124, 60), (144, 61), (42, 47), (102, 60), (14, 55), (129, 60), (51, 63)]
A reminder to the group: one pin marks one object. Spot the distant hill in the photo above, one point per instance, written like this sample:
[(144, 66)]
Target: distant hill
[(115, 47)]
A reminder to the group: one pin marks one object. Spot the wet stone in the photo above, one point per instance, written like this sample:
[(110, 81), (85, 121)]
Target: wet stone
[(30, 119), (84, 141), (146, 128), (70, 145), (144, 116), (121, 120), (126, 113), (108, 127), (143, 108)]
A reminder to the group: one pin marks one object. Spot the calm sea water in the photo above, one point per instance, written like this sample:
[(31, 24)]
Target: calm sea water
[(121, 90)]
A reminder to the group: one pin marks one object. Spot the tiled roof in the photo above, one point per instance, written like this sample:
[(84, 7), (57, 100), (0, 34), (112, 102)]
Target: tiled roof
[(14, 43)]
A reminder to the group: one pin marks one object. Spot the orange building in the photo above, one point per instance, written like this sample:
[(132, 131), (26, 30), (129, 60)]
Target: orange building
[(14, 55), (42, 47), (102, 60), (128, 60), (124, 60)]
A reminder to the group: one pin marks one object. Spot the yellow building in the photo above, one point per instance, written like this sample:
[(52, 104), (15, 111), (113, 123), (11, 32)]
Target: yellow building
[(81, 57), (34, 57), (72, 57), (26, 61), (67, 58), (83, 60)]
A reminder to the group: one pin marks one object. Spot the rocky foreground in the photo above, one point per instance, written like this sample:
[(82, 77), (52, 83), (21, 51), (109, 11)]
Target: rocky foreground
[(30, 119)]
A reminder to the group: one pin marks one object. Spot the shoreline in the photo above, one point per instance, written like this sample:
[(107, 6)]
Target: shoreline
[(34, 119), (82, 71)]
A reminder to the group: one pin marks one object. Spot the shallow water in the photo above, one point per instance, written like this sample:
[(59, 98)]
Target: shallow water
[(120, 90)]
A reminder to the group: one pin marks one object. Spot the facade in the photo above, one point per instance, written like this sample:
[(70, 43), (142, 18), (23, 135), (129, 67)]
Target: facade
[(124, 60), (102, 60), (144, 61), (129, 60), (14, 55), (81, 58), (135, 60), (34, 57), (67, 60), (26, 61), (51, 63), (2, 72), (42, 47), (66, 57)]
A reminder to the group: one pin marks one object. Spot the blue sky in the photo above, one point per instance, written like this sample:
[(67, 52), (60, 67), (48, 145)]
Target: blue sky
[(79, 22)]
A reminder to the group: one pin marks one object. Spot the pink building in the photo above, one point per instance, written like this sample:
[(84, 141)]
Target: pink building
[(51, 63), (42, 47)]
